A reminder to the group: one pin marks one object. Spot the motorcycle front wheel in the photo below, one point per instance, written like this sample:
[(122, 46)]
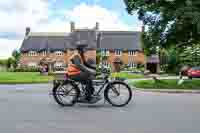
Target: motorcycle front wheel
[(118, 94)]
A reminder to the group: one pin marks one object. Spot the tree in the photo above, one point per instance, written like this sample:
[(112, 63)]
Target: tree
[(169, 22), (3, 62), (10, 62), (16, 54), (190, 55), (16, 57)]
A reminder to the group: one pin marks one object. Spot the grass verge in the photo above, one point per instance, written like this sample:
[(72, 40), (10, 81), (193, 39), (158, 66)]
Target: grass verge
[(127, 75), (167, 84), (23, 78)]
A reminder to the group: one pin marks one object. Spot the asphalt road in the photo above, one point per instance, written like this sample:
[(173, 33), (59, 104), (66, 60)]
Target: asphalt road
[(30, 109)]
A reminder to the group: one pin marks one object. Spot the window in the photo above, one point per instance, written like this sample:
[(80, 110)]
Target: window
[(132, 52), (118, 52), (59, 53), (105, 63), (131, 63), (32, 53), (59, 64), (44, 53), (105, 52), (32, 64)]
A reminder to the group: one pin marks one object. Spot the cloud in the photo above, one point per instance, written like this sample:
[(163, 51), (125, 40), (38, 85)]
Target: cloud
[(87, 15), (16, 15), (7, 46)]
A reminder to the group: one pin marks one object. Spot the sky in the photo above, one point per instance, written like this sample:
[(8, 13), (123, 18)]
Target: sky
[(55, 16)]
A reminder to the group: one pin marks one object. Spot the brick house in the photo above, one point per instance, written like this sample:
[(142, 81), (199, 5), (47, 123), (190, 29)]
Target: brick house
[(56, 48)]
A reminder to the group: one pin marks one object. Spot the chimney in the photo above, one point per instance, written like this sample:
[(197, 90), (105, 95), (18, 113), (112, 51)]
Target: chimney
[(28, 29), (97, 26), (72, 26)]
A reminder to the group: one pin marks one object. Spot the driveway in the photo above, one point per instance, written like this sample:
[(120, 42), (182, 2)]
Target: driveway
[(30, 109)]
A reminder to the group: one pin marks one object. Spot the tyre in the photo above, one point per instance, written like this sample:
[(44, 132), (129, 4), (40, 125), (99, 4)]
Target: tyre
[(66, 94), (116, 91)]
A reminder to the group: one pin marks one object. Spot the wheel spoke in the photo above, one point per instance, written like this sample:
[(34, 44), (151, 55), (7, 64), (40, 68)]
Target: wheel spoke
[(69, 91), (66, 94), (119, 94), (115, 91)]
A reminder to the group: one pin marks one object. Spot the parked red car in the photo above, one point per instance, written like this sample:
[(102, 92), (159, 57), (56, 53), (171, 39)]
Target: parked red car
[(194, 72)]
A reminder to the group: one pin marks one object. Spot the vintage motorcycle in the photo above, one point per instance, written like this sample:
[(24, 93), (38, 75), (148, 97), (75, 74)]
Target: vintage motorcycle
[(115, 91)]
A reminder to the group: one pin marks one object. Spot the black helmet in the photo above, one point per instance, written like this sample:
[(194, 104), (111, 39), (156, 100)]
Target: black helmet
[(81, 47)]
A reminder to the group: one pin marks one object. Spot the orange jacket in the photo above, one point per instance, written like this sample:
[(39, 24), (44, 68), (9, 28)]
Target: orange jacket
[(72, 68)]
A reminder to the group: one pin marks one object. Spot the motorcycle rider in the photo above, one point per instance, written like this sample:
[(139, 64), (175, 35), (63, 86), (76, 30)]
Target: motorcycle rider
[(79, 70)]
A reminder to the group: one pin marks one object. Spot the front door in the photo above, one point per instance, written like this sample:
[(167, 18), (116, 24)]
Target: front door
[(152, 67)]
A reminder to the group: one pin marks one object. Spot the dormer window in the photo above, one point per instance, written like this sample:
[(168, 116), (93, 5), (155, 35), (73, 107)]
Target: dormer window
[(32, 53), (118, 52), (105, 52), (132, 52), (59, 53)]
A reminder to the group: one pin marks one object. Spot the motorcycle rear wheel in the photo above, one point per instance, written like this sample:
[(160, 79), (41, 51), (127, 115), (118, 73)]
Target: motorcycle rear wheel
[(64, 91)]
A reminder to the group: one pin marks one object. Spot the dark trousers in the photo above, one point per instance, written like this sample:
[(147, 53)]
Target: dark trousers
[(85, 79), (89, 89)]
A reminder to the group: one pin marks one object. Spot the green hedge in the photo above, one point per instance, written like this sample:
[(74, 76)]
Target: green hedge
[(24, 70)]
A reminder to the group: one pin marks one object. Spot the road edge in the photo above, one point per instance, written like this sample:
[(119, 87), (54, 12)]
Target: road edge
[(168, 90)]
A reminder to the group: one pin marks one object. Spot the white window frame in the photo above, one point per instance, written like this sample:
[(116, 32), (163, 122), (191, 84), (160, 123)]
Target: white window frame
[(105, 52), (132, 53), (59, 53), (32, 53), (44, 53), (105, 63), (58, 64), (118, 52), (32, 64), (132, 64)]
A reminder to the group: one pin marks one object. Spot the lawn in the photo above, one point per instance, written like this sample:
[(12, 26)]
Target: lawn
[(167, 84), (23, 78), (127, 75)]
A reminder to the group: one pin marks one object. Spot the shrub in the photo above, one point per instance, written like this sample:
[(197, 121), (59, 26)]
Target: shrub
[(25, 70)]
